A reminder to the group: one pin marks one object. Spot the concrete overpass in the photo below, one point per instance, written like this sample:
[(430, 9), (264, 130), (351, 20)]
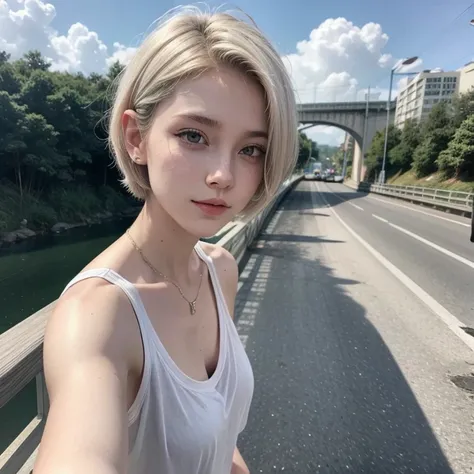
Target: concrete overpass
[(355, 118)]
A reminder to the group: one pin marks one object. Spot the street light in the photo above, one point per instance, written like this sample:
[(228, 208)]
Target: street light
[(406, 62)]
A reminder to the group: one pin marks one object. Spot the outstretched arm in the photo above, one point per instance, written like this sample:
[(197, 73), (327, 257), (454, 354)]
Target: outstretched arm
[(85, 355)]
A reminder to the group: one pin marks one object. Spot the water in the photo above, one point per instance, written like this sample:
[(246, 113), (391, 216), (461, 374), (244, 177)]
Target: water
[(32, 275)]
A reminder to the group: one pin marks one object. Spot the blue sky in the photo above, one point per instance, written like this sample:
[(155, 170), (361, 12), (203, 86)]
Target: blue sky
[(353, 56)]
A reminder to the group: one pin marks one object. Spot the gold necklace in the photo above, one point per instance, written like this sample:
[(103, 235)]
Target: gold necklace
[(192, 304)]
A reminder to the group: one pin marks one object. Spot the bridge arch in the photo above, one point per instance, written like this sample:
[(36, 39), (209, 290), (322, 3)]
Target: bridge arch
[(353, 133), (357, 158), (361, 120)]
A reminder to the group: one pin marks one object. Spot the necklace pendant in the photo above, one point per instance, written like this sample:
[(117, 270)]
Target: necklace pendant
[(192, 307)]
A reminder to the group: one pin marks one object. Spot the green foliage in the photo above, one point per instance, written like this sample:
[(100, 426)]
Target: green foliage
[(338, 160), (441, 144), (463, 107), (437, 132), (374, 157), (327, 150), (401, 155), (459, 155), (308, 149), (77, 202), (49, 137)]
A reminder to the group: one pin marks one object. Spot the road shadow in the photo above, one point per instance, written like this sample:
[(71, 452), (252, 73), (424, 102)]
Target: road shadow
[(329, 397)]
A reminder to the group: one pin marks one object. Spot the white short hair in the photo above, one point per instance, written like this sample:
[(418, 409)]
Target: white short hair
[(184, 45)]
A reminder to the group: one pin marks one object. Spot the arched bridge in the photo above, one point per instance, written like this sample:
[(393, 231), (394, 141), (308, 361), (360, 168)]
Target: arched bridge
[(360, 119)]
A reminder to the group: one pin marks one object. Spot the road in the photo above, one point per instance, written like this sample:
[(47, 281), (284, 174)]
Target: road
[(354, 371)]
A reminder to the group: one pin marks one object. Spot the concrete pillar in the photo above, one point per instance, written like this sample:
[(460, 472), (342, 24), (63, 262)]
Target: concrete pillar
[(357, 163)]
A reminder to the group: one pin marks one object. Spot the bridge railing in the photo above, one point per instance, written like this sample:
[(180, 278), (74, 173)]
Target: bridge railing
[(21, 348), (354, 105), (444, 198)]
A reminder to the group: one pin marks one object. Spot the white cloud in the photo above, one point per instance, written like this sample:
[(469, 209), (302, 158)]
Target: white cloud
[(326, 135), (122, 54), (338, 62), (338, 59), (27, 24)]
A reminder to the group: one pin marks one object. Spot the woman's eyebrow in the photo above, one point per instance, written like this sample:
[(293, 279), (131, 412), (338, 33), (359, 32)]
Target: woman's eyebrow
[(213, 123)]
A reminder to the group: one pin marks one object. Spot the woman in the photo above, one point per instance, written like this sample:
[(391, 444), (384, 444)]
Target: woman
[(144, 366)]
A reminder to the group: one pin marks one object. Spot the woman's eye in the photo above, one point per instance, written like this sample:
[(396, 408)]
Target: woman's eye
[(191, 136), (253, 151)]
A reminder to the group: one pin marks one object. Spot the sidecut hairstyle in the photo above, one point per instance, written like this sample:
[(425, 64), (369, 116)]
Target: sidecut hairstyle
[(185, 44)]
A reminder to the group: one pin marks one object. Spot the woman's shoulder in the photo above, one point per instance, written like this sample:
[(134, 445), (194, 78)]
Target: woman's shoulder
[(226, 268), (223, 260), (93, 318)]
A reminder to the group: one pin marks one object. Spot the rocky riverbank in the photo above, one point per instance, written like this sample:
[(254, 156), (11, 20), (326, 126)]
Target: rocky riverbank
[(23, 233)]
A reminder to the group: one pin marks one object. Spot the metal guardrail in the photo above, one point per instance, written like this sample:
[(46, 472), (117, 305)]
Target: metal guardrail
[(21, 348), (333, 106), (444, 198)]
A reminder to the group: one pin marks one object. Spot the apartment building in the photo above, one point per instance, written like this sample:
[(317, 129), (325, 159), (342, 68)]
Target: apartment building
[(466, 79), (423, 91)]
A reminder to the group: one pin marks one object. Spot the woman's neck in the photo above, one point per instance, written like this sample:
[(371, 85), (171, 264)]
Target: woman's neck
[(166, 245)]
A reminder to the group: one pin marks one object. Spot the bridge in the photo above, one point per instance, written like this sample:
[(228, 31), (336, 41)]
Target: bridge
[(350, 308), (360, 119)]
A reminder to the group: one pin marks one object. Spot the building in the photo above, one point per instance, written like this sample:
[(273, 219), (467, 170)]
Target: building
[(466, 79), (423, 91)]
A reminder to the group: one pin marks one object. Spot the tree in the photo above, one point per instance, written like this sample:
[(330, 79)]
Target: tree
[(115, 70), (305, 150), (463, 107), (459, 156), (35, 91), (35, 61), (374, 157), (9, 80), (401, 156), (4, 57), (437, 132), (338, 160)]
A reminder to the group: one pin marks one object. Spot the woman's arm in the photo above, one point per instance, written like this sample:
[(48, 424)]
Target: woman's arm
[(85, 362), (238, 464), (229, 276)]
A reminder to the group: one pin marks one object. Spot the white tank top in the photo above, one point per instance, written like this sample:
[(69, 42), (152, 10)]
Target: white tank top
[(178, 425)]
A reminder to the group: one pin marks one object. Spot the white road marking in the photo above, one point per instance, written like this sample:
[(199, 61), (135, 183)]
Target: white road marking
[(380, 218), (457, 257), (420, 211), (344, 200), (453, 255), (356, 206), (251, 304), (449, 319)]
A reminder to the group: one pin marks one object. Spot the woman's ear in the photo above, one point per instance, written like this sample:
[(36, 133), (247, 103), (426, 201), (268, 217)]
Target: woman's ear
[(133, 139)]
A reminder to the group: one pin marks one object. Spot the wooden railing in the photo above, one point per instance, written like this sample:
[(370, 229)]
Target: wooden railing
[(21, 349)]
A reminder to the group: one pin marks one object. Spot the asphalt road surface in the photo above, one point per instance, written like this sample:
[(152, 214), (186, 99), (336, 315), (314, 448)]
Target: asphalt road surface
[(354, 370)]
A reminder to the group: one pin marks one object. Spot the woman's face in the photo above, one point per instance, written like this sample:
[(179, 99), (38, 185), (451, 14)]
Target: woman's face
[(207, 142)]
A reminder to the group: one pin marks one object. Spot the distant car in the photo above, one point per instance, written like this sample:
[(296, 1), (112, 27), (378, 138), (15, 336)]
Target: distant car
[(315, 175), (338, 179), (329, 178)]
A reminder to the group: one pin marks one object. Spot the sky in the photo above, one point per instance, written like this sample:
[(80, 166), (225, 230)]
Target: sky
[(333, 49)]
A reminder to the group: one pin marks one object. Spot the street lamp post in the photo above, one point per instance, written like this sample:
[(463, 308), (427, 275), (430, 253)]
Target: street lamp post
[(406, 62)]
